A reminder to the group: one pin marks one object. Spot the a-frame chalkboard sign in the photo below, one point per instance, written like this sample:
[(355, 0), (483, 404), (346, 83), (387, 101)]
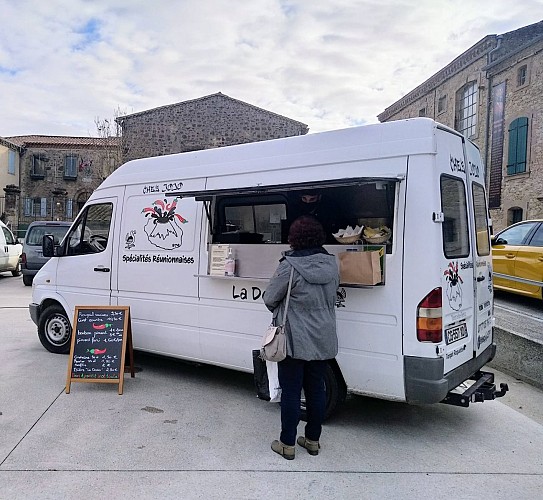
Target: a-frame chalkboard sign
[(101, 344)]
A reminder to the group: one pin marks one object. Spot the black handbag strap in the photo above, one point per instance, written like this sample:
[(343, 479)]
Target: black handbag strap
[(288, 296)]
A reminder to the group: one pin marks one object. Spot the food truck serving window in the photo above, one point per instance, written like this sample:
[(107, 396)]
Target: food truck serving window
[(255, 218)]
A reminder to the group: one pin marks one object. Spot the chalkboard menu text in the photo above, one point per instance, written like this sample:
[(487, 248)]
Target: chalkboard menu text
[(100, 339)]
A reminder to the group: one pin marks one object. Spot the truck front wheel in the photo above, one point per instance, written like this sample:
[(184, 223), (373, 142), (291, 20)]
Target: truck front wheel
[(54, 330)]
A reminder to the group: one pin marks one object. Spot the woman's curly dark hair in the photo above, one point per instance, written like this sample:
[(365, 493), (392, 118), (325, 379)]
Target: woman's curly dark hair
[(306, 232)]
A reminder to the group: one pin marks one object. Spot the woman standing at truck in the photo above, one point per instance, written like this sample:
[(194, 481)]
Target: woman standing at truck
[(310, 329)]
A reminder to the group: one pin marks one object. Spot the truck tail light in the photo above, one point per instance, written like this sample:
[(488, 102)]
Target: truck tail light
[(23, 259), (429, 318)]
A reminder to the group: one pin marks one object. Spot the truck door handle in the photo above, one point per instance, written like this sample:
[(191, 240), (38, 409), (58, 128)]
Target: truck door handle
[(510, 255), (102, 269), (480, 278)]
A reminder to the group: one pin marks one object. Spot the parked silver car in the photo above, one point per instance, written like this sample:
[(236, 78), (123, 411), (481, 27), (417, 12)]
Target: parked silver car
[(32, 259)]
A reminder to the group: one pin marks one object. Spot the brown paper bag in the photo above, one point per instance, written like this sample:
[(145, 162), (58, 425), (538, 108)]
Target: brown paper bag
[(360, 268)]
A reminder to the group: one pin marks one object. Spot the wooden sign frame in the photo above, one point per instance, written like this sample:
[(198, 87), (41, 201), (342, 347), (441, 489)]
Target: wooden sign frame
[(126, 348)]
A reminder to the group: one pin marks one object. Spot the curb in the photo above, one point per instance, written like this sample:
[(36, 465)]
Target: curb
[(519, 356)]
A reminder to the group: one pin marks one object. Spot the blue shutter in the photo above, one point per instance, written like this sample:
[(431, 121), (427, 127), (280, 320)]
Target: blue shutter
[(518, 145), (512, 152), (28, 207), (69, 208), (522, 143), (70, 166)]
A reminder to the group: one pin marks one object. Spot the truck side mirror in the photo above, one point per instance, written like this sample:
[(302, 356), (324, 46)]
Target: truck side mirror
[(48, 245)]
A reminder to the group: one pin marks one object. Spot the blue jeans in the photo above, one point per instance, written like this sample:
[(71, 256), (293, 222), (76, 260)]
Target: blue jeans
[(295, 374)]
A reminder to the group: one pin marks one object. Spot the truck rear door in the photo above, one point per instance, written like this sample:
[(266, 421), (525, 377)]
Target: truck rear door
[(480, 248), (458, 259)]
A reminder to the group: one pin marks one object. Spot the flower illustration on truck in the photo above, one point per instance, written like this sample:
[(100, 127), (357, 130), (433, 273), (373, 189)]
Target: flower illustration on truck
[(163, 228), (454, 289)]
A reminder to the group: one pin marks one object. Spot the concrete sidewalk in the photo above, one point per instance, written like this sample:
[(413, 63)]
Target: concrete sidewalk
[(186, 431)]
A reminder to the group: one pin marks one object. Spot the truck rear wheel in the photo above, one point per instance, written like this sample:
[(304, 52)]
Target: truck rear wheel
[(54, 330), (17, 271), (336, 392)]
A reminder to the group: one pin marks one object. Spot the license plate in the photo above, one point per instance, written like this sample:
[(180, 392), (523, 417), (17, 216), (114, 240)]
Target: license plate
[(456, 333)]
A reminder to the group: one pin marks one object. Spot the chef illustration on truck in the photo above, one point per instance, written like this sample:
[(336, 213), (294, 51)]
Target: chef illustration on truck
[(163, 227)]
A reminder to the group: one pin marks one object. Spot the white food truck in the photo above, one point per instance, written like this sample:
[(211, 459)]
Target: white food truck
[(154, 236)]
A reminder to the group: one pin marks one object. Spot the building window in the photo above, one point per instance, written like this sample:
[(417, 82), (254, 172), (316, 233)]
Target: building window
[(514, 215), (35, 207), (518, 143), (28, 207), (522, 76), (69, 208), (70, 167), (422, 112), (37, 170), (442, 104), (466, 105), (11, 162)]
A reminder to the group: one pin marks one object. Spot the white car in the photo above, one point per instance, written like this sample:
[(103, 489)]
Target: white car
[(10, 251)]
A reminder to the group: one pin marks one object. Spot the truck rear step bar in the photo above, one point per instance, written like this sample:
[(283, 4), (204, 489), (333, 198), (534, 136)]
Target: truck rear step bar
[(482, 389)]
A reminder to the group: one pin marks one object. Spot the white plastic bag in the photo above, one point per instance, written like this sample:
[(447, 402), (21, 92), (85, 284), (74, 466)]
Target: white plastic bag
[(273, 382)]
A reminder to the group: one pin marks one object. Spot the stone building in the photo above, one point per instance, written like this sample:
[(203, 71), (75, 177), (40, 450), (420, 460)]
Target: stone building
[(207, 122), (9, 180), (493, 94), (58, 174)]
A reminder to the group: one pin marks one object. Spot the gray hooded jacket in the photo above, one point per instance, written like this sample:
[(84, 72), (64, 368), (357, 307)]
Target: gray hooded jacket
[(311, 316)]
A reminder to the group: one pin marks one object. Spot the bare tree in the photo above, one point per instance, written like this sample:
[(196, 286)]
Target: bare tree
[(110, 137)]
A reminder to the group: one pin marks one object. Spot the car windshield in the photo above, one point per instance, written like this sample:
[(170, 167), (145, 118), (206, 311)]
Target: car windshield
[(36, 234)]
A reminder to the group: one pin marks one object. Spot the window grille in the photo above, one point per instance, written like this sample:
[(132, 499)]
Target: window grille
[(466, 117)]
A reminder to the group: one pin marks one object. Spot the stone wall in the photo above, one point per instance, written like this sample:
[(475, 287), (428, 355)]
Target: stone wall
[(524, 190), (91, 169), (522, 47), (447, 90), (208, 122)]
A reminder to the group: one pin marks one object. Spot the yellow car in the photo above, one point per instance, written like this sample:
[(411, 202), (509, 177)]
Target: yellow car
[(517, 259)]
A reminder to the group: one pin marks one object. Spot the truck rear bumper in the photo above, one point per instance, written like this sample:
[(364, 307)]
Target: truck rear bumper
[(425, 382)]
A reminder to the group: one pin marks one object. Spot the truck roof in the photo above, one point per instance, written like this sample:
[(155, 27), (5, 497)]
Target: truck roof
[(383, 140)]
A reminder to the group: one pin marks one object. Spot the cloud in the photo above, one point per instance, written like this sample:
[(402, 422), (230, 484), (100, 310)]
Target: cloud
[(330, 64)]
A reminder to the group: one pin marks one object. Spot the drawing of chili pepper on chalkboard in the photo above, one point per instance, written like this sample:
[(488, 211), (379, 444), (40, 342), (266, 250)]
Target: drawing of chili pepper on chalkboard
[(100, 326), (97, 351)]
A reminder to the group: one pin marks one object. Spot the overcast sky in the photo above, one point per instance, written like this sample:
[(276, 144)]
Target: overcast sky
[(328, 63)]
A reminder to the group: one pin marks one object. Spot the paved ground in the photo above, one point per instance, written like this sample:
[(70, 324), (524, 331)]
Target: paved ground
[(185, 431)]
